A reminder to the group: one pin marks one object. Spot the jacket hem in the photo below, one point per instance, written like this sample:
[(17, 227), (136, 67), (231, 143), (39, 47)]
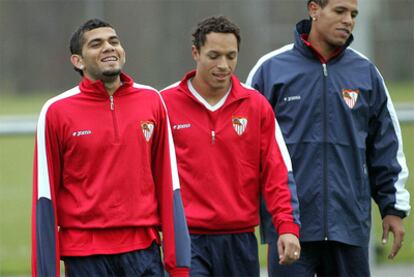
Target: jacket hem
[(200, 231)]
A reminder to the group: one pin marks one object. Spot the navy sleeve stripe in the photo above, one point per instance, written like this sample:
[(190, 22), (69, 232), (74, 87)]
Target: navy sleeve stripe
[(182, 238), (294, 202), (45, 236)]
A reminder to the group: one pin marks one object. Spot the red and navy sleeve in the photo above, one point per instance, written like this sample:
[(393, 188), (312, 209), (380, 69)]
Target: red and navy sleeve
[(279, 187), (176, 238), (46, 178)]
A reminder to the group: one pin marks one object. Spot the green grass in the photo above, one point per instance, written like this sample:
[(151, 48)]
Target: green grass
[(30, 104), (401, 92), (16, 154)]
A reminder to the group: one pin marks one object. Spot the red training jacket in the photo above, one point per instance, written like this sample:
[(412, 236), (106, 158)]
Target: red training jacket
[(226, 158), (105, 177)]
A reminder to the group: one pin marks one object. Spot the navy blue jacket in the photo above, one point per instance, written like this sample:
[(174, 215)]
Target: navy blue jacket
[(343, 136)]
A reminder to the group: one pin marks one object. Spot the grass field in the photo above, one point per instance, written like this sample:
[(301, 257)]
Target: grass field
[(16, 154)]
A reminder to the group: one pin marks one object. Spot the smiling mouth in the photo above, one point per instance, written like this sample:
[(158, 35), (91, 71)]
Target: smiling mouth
[(109, 59)]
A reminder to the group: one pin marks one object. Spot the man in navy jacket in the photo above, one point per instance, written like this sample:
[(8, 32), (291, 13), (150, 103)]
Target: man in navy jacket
[(344, 139)]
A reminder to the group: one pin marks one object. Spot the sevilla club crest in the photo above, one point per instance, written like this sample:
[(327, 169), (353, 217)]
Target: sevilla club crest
[(350, 97), (239, 124), (147, 129)]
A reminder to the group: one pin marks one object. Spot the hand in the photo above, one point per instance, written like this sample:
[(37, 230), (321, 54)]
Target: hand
[(288, 248), (394, 224)]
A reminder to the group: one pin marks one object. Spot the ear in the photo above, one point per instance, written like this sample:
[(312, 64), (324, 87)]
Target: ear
[(313, 10), (77, 61), (195, 53)]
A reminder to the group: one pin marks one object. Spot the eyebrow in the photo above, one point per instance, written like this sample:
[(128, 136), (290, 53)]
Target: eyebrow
[(221, 53), (101, 39), (356, 12)]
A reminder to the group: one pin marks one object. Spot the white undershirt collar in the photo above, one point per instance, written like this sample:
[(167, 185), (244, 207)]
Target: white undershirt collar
[(200, 98)]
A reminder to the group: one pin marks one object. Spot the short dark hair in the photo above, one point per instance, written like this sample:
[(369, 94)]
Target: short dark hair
[(321, 3), (220, 24), (77, 39)]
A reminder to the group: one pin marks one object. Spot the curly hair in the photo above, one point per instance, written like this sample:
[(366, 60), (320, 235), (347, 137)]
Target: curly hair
[(219, 24)]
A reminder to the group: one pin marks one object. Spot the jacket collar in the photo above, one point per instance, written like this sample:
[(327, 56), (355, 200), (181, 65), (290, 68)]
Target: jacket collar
[(237, 90), (302, 31), (97, 88)]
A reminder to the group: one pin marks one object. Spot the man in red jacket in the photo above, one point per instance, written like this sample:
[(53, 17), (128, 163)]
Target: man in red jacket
[(229, 151), (105, 174)]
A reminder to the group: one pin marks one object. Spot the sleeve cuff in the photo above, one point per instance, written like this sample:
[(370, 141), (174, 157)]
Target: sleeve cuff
[(289, 227), (392, 211), (180, 272)]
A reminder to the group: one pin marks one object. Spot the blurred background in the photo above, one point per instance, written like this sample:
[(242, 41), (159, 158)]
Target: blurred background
[(156, 34)]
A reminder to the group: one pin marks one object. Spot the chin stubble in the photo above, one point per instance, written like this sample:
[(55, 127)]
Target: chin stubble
[(111, 73)]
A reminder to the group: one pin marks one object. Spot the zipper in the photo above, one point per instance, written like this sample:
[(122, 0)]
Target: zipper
[(111, 99), (114, 121), (212, 124), (213, 136), (325, 169), (325, 70)]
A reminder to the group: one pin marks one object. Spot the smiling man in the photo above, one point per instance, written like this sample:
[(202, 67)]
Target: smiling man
[(229, 150), (344, 138), (105, 174)]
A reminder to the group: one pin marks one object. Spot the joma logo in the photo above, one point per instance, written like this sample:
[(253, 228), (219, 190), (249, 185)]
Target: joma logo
[(291, 98), (81, 133), (181, 126)]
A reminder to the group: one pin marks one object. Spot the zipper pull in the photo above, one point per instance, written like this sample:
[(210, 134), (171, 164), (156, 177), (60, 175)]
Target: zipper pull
[(325, 70), (111, 98), (213, 136)]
